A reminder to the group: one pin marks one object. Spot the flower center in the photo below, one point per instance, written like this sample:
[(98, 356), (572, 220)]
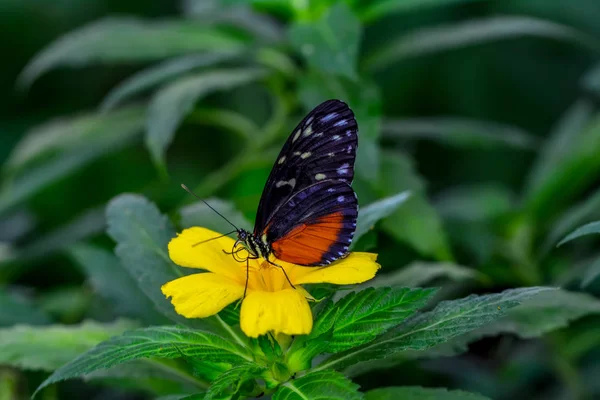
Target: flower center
[(265, 277)]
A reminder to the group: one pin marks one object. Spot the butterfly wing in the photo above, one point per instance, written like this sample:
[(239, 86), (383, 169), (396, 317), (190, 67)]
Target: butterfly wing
[(322, 147), (316, 225)]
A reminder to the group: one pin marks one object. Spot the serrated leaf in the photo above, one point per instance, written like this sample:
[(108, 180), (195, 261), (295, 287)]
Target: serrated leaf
[(448, 320), (419, 273), (360, 317), (153, 76), (330, 44), (48, 347), (460, 133), (111, 281), (155, 342), (18, 309), (319, 385), (172, 103), (472, 32), (198, 214), (229, 382), (142, 235), (416, 222), (587, 229), (376, 211), (420, 393), (119, 40)]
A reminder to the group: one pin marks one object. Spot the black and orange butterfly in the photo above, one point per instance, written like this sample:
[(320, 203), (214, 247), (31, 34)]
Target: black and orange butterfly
[(307, 212)]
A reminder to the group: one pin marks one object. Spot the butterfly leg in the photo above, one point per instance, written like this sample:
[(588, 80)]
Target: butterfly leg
[(247, 277), (284, 273)]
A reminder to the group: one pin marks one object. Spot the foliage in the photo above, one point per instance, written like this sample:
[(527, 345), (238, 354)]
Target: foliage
[(476, 176)]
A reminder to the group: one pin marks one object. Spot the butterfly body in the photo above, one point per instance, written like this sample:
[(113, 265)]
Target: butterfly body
[(307, 212)]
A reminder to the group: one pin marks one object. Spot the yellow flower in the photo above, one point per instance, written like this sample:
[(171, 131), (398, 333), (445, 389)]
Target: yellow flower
[(271, 304)]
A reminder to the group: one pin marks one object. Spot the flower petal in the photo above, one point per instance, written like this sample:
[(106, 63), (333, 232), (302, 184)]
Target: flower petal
[(202, 295), (356, 268), (209, 255), (285, 311)]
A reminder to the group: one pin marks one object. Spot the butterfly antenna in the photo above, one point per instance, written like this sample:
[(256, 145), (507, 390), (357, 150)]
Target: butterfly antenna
[(217, 237), (209, 206)]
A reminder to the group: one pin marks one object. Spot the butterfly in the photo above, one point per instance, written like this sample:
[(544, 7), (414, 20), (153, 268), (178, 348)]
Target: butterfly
[(308, 210)]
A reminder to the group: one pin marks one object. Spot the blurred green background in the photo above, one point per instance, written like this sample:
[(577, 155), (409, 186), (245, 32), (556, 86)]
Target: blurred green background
[(486, 110)]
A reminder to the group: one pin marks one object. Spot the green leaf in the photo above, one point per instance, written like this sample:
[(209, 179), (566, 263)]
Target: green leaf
[(544, 313), (447, 321), (587, 229), (591, 274), (48, 347), (461, 133), (111, 281), (172, 103), (142, 235), (330, 44), (578, 214), (360, 317), (156, 75), (89, 223), (155, 342), (319, 385), (17, 309), (382, 8), (230, 382), (376, 211), (457, 35), (562, 139), (475, 203), (416, 222), (420, 393), (198, 214), (122, 40), (365, 101), (420, 273), (571, 153), (150, 376), (57, 149)]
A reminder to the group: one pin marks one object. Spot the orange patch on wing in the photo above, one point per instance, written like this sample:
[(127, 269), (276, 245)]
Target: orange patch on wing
[(307, 244)]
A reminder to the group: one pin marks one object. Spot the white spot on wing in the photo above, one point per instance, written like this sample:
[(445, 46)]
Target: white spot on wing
[(296, 136), (304, 156), (309, 120), (331, 190), (349, 150), (331, 154), (308, 130), (336, 137), (348, 133), (297, 153), (341, 122), (281, 160), (320, 177), (291, 182), (329, 117), (340, 199), (343, 170)]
